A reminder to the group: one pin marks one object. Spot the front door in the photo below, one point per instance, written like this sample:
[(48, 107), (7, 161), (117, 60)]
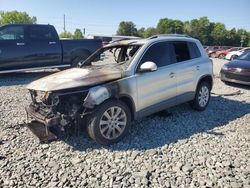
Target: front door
[(13, 48), (157, 89)]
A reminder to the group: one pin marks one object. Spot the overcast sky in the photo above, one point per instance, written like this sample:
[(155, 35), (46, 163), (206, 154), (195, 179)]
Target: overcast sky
[(103, 17)]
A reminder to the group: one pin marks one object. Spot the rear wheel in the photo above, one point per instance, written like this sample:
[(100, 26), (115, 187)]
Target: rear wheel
[(75, 61), (202, 97), (109, 123), (222, 56), (213, 55)]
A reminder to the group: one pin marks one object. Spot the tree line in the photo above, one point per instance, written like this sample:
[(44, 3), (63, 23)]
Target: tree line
[(209, 33)]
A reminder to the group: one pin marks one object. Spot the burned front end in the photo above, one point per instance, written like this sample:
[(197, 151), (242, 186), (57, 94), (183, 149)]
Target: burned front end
[(56, 114)]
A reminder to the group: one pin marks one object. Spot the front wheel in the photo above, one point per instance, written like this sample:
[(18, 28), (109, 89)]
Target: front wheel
[(202, 97), (109, 123), (233, 57)]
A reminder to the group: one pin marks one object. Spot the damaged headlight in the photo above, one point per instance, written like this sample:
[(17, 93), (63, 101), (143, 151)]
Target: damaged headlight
[(96, 95)]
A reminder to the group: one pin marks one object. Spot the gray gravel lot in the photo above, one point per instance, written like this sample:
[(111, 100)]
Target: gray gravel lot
[(178, 148)]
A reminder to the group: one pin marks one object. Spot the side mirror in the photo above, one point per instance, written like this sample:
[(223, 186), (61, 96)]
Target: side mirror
[(148, 66)]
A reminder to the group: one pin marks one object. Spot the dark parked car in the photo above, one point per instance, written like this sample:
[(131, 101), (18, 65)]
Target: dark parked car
[(238, 70), (32, 46)]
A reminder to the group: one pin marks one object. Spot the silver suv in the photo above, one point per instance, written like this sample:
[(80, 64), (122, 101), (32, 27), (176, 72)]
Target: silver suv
[(119, 83)]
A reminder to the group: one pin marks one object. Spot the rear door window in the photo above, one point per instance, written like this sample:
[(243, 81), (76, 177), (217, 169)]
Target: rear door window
[(159, 53), (181, 51), (40, 33), (12, 33)]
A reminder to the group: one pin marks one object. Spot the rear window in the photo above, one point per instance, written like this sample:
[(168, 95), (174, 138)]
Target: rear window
[(38, 33), (194, 50), (181, 51)]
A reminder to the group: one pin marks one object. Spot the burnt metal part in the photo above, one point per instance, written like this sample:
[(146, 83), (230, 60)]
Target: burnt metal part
[(58, 111), (41, 131)]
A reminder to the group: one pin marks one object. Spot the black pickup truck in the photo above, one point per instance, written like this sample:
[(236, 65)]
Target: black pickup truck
[(33, 46)]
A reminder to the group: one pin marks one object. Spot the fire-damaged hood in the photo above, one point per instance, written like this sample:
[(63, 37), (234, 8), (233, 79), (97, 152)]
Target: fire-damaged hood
[(76, 77)]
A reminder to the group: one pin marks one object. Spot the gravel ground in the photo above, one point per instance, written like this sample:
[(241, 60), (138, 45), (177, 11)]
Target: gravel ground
[(178, 148)]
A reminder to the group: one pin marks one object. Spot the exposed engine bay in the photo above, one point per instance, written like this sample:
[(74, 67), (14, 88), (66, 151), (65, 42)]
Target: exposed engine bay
[(62, 113)]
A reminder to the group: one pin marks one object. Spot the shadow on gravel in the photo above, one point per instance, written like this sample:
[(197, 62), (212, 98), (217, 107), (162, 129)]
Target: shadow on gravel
[(22, 78), (171, 126)]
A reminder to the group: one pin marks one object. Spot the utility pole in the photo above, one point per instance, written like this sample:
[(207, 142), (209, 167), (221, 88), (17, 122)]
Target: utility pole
[(242, 39), (84, 30), (64, 26)]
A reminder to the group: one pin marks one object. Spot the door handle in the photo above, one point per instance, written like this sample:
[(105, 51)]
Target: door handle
[(20, 44), (52, 42), (171, 75), (197, 67)]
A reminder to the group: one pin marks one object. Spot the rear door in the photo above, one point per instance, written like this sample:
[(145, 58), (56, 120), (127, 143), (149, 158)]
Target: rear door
[(14, 53), (187, 67), (44, 46)]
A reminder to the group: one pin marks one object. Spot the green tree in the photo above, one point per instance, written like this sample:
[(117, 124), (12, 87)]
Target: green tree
[(248, 39), (78, 34), (141, 32), (166, 25), (150, 31), (219, 33), (232, 38), (243, 37), (66, 35), (200, 29), (127, 29), (15, 17)]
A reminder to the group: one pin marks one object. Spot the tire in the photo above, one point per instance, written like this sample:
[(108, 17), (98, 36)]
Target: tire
[(107, 132), (75, 61), (213, 55), (222, 56), (233, 57), (202, 97)]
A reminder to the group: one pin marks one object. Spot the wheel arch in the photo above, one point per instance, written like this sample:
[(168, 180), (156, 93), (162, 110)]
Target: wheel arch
[(129, 102), (206, 78)]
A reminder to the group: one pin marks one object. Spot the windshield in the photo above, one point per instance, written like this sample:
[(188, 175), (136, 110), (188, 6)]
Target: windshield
[(245, 56), (115, 55)]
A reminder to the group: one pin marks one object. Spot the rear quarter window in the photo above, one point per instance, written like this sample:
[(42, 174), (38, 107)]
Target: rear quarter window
[(194, 50)]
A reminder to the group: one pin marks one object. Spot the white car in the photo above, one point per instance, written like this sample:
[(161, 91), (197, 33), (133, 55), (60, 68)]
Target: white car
[(234, 54)]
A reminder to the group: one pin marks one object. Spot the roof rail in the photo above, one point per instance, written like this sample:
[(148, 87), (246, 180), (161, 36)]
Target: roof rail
[(168, 35)]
